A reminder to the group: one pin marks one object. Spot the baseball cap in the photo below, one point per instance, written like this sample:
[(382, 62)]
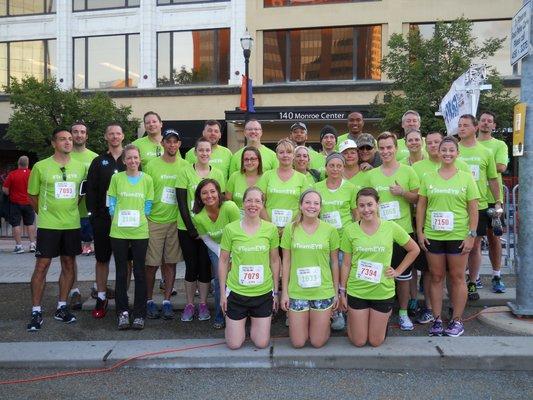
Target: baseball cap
[(347, 144), (297, 125), (365, 139), (171, 132)]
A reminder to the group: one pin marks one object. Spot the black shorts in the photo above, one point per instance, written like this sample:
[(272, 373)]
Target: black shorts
[(444, 246), (421, 262), (19, 212), (502, 217), (383, 306), (482, 223), (240, 307), (398, 254), (58, 242)]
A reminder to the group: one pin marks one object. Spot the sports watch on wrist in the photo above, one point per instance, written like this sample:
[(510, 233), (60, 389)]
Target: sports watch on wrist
[(472, 234)]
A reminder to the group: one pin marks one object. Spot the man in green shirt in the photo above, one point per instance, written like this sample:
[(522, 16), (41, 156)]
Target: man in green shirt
[(487, 124), (220, 155), (355, 123), (53, 189), (410, 121), (298, 135)]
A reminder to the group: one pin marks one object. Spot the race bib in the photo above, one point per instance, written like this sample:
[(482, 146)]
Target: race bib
[(333, 218), (475, 171), (442, 221), (129, 219), (250, 275), (309, 277), (369, 271), (168, 196), (280, 217), (389, 210), (65, 190)]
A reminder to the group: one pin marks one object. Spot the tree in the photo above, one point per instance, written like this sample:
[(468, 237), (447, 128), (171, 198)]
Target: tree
[(40, 107), (184, 77), (422, 71)]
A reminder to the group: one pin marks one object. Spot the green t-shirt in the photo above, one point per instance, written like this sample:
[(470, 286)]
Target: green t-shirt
[(482, 165), (85, 158), (220, 158), (188, 179), (316, 160), (268, 158), (427, 166), (447, 204), (371, 256), (402, 152), (501, 156), (148, 149), (359, 180), (250, 273), (310, 274), (58, 197), (129, 220), (164, 174), (282, 198), (337, 205), (393, 207), (237, 185), (229, 212)]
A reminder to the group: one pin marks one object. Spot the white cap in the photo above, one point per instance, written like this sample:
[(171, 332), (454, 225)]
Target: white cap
[(347, 144)]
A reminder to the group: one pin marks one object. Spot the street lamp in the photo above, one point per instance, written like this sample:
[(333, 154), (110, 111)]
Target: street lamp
[(247, 43)]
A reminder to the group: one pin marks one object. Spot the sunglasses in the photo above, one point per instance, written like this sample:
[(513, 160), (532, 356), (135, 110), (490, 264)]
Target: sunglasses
[(365, 148), (64, 172)]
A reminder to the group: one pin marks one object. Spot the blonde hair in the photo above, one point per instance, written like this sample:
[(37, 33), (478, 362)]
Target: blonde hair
[(286, 143), (300, 216)]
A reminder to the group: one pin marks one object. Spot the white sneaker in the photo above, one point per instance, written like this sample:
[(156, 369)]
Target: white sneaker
[(18, 249), (337, 321), (405, 323), (33, 247)]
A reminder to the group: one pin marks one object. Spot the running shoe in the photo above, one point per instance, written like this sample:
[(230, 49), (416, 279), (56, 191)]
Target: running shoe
[(203, 312), (473, 295), (36, 321), (63, 314), (100, 309), (75, 301), (405, 323), (123, 321), (436, 328), (152, 312), (497, 285), (412, 306), (138, 324), (167, 311), (188, 313), (337, 321), (425, 317), (18, 249), (454, 329), (219, 325), (479, 284), (33, 247)]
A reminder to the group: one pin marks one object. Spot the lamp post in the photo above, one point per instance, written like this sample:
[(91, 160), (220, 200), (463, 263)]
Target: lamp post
[(247, 43)]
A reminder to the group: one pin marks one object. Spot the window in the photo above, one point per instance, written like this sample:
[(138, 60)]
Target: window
[(26, 7), (106, 62), (30, 58), (85, 5), (344, 53), (165, 2), (285, 3), (193, 57)]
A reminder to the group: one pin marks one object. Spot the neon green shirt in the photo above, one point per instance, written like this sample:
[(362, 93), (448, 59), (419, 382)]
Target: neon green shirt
[(85, 157), (371, 256), (310, 273), (220, 158), (359, 180), (250, 273), (237, 185), (501, 156), (129, 220), (268, 158), (337, 205), (58, 198), (447, 204), (229, 212), (427, 166), (316, 160), (148, 149)]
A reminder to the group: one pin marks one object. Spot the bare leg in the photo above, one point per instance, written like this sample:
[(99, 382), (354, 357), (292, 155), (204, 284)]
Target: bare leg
[(437, 267), (17, 234), (38, 280), (299, 327), (150, 280), (377, 327), (358, 326), (31, 233), (495, 250), (260, 331), (190, 289), (474, 260), (319, 329), (102, 272), (235, 333), (66, 278), (169, 275), (456, 265)]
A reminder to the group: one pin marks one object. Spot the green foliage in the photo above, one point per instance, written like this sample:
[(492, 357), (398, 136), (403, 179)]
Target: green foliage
[(184, 77), (40, 107), (422, 71)]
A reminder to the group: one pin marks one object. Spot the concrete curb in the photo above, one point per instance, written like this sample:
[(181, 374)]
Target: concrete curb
[(397, 353), (502, 318)]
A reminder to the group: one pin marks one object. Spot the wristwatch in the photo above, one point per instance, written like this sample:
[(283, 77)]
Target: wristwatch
[(472, 234)]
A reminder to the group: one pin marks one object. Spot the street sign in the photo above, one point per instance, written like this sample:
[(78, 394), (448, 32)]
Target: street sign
[(519, 129), (520, 34)]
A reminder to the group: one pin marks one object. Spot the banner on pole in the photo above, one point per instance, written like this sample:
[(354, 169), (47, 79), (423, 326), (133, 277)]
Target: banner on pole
[(519, 129)]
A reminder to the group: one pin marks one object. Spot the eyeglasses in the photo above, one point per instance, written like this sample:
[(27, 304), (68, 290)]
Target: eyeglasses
[(251, 159), (365, 148), (64, 172)]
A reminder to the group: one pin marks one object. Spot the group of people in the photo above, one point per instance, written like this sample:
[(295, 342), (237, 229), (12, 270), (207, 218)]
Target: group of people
[(332, 237)]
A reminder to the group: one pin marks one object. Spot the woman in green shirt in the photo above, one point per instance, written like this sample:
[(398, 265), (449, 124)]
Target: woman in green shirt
[(250, 172), (211, 215), (130, 196), (310, 273), (367, 285), (446, 222), (351, 172), (414, 143), (301, 164), (251, 285)]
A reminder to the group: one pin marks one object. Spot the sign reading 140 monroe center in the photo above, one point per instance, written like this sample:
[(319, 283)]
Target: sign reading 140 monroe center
[(324, 115), (520, 32)]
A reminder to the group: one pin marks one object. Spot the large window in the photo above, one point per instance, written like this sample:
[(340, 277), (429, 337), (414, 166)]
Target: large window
[(83, 5), (193, 57), (343, 53), (104, 62), (26, 7), (284, 3), (30, 58)]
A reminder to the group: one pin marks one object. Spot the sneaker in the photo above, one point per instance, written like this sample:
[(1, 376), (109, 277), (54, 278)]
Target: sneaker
[(87, 250), (412, 306), (174, 292), (33, 247), (405, 323), (473, 295), (219, 325), (162, 284), (497, 285), (152, 312), (100, 309), (337, 321), (436, 328), (123, 321), (18, 249), (197, 293), (425, 317), (36, 321), (188, 313), (75, 301), (167, 311), (479, 284), (203, 312), (138, 324), (63, 314), (454, 329)]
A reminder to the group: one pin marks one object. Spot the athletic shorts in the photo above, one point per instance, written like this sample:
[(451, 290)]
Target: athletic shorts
[(383, 306), (240, 307), (398, 254), (58, 242), (502, 217), (482, 223), (444, 246), (163, 244), (18, 212), (421, 262), (298, 305)]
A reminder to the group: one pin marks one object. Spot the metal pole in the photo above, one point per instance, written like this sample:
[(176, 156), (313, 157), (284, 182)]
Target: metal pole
[(523, 306), (246, 68)]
